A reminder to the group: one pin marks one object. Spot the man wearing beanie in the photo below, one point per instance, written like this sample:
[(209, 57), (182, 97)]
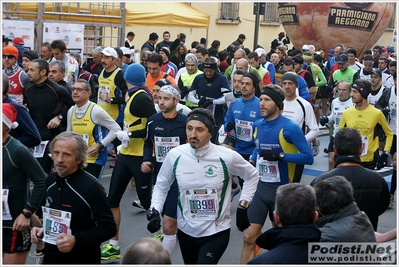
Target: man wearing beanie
[(207, 91), (199, 168), (241, 115), (20, 168), (280, 146), (365, 118), (168, 67), (150, 43), (186, 78), (139, 107), (165, 130), (17, 76), (299, 110), (27, 57), (353, 62)]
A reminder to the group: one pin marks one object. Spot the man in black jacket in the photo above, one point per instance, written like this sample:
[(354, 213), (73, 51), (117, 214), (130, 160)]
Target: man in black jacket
[(370, 188), (76, 216), (294, 215)]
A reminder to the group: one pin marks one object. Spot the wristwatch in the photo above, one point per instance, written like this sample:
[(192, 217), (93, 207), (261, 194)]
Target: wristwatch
[(101, 145), (26, 214), (60, 116), (243, 204), (281, 155)]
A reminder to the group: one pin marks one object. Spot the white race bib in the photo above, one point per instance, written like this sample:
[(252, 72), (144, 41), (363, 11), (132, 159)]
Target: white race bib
[(244, 130), (163, 145), (38, 151), (268, 170), (6, 209), (55, 222), (203, 204), (365, 145), (104, 89)]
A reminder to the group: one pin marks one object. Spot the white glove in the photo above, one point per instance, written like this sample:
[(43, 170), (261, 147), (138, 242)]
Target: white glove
[(122, 136), (221, 130)]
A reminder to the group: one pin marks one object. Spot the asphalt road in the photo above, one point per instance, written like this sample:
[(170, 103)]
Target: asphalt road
[(134, 224)]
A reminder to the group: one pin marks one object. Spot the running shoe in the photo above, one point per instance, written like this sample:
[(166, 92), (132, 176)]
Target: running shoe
[(110, 253), (325, 150), (235, 192), (38, 257), (257, 250), (315, 147), (133, 182), (391, 202), (137, 204)]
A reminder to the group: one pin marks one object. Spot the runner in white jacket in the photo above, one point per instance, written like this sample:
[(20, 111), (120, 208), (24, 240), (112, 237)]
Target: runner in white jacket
[(204, 174)]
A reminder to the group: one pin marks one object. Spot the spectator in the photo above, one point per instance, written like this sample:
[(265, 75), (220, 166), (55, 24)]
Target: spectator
[(340, 218)]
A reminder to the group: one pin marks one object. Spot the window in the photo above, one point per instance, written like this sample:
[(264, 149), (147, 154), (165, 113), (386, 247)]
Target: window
[(271, 14), (229, 11)]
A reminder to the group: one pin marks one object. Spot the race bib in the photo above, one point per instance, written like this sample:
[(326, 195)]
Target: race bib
[(244, 130), (268, 170), (203, 204), (104, 89), (6, 209), (85, 138), (38, 151), (163, 145), (338, 116), (55, 222), (365, 145)]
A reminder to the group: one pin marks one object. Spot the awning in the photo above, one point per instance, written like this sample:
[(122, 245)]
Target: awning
[(165, 14), (137, 14)]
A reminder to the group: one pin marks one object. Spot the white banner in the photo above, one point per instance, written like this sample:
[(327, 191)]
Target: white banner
[(20, 28), (71, 34)]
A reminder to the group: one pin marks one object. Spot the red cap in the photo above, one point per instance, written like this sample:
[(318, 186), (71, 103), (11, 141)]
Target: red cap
[(18, 41)]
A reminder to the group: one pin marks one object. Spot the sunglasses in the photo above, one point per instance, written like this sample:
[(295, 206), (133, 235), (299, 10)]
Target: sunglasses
[(8, 56), (78, 89)]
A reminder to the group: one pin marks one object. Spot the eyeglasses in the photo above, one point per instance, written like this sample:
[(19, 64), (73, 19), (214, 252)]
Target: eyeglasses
[(78, 89), (8, 56)]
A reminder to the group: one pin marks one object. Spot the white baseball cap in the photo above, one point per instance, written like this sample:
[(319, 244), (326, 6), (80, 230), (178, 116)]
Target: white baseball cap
[(260, 51), (125, 50), (305, 47), (110, 52)]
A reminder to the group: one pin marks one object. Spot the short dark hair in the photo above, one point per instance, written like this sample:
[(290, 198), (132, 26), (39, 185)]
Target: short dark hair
[(295, 204), (392, 63), (368, 57), (289, 62), (146, 250), (166, 32), (239, 72), (253, 55), (223, 55), (42, 64), (202, 50), (60, 44), (30, 54), (155, 58), (194, 44), (318, 58), (215, 43), (333, 194), (347, 141), (130, 34)]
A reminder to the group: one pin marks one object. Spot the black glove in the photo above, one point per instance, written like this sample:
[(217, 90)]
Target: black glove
[(323, 120), (183, 92), (382, 161), (230, 126), (155, 220), (270, 155), (242, 221), (201, 101)]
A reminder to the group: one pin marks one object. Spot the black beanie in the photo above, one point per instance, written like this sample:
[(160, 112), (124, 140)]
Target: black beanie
[(291, 77), (166, 51), (363, 88), (255, 82), (276, 97)]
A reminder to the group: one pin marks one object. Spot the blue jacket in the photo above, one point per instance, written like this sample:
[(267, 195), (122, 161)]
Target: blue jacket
[(244, 110)]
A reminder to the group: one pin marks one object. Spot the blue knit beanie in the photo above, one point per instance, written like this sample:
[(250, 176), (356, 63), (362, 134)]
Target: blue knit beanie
[(135, 74)]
